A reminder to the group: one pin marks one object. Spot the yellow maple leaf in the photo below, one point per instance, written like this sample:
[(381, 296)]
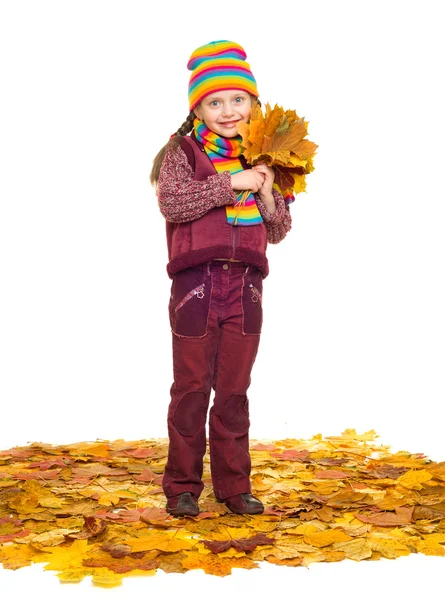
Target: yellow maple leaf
[(109, 499), (272, 119), (430, 547), (352, 435), (50, 538), (439, 538), (25, 504), (212, 564), (326, 538), (74, 575), (14, 557), (51, 502), (63, 558), (169, 541), (388, 547), (106, 578), (413, 479), (305, 529), (357, 549), (90, 448)]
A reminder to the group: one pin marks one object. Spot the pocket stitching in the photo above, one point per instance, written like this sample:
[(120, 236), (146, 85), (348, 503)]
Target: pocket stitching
[(180, 335), (242, 307)]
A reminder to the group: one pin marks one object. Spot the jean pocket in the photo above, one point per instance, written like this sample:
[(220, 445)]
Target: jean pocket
[(190, 302), (252, 301)]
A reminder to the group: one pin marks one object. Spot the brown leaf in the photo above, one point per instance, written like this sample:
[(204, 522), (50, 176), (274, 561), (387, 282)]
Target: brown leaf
[(429, 513), (388, 519), (387, 472), (92, 528), (285, 139), (242, 545), (124, 564), (116, 550)]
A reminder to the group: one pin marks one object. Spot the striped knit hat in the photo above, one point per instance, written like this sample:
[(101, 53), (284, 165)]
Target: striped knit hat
[(219, 66)]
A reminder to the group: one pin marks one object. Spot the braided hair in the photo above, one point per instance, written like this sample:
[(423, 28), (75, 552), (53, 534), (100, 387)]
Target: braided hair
[(173, 142)]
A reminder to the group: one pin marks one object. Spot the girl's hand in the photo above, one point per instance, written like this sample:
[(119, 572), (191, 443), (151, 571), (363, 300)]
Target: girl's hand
[(266, 189), (250, 179)]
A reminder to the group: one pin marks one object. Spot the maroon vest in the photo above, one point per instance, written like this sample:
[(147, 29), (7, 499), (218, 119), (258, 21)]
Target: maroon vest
[(195, 242)]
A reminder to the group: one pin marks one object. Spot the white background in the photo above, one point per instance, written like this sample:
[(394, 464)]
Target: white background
[(354, 324)]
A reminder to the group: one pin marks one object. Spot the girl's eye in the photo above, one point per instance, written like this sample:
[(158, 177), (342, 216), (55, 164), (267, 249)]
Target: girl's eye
[(214, 103), (239, 99)]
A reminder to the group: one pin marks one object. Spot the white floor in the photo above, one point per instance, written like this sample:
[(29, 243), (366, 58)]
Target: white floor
[(411, 577)]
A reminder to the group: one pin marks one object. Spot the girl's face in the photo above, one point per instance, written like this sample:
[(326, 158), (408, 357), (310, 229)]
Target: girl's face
[(222, 111)]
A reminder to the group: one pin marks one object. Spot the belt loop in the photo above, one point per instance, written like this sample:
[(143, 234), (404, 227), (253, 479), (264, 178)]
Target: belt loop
[(247, 268)]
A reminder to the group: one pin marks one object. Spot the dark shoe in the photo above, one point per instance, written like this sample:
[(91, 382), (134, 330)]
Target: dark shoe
[(244, 504), (184, 505)]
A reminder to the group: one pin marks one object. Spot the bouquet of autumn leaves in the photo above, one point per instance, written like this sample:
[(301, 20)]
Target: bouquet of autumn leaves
[(277, 139)]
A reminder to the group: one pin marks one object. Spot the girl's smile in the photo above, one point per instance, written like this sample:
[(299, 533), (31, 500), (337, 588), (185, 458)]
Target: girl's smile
[(230, 124)]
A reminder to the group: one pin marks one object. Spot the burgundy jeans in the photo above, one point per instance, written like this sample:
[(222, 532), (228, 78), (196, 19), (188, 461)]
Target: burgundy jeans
[(216, 317)]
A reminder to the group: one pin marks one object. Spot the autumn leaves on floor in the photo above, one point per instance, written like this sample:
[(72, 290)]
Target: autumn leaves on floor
[(98, 509)]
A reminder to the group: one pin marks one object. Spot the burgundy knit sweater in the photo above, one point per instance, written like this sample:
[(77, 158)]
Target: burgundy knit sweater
[(182, 199)]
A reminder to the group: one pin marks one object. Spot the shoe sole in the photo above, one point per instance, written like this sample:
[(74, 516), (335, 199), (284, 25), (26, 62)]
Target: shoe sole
[(246, 512), (183, 514), (178, 512)]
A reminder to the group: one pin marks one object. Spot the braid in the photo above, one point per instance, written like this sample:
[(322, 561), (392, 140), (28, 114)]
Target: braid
[(187, 126), (173, 142)]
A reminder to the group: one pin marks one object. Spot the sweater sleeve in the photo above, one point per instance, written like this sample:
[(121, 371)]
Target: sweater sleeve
[(279, 223), (181, 198)]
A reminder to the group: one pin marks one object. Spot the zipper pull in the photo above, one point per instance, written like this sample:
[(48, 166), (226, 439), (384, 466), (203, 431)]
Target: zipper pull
[(200, 291), (255, 293)]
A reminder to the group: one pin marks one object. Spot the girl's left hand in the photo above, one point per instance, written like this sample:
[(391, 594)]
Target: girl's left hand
[(265, 192)]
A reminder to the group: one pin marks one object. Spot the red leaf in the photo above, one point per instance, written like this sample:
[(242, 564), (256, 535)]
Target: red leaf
[(123, 516), (38, 475), (147, 476), (141, 452), (267, 447), (12, 536), (154, 516), (300, 455), (332, 474)]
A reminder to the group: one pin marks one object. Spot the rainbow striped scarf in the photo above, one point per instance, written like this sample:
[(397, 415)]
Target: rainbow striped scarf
[(224, 153)]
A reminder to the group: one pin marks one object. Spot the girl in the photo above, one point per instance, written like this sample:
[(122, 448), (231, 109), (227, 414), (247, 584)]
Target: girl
[(217, 263)]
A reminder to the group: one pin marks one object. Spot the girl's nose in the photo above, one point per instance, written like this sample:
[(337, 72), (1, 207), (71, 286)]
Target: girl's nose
[(228, 109)]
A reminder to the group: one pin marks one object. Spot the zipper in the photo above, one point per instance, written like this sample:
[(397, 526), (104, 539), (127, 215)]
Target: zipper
[(255, 294), (198, 292), (234, 239)]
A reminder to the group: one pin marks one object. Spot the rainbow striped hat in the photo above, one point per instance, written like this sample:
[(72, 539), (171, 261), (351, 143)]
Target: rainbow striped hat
[(219, 66)]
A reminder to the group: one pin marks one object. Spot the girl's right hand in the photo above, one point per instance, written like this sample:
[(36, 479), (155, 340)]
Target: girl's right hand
[(247, 180)]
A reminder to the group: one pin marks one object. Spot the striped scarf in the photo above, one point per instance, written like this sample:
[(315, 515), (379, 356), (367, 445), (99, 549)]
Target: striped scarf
[(224, 153)]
